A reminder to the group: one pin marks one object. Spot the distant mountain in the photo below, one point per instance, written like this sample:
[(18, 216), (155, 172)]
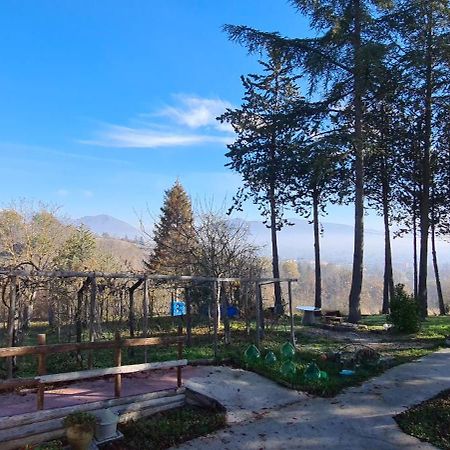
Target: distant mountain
[(297, 242), (104, 224)]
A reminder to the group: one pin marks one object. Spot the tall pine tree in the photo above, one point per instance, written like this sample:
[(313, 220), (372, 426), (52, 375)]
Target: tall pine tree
[(340, 62), (265, 133), (174, 235)]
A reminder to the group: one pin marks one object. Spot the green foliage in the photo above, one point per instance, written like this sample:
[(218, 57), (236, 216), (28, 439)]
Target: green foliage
[(429, 421), (174, 234), (405, 311), (84, 420), (78, 249), (170, 428)]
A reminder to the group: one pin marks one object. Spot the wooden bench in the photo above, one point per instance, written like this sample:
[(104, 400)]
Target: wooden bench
[(43, 380), (333, 319), (334, 316)]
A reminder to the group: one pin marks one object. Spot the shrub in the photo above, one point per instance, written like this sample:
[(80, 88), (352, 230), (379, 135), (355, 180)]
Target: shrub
[(84, 420), (405, 311)]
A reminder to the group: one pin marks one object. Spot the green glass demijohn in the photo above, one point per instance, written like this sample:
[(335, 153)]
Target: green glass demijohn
[(270, 358), (287, 350), (312, 372), (252, 353), (288, 369)]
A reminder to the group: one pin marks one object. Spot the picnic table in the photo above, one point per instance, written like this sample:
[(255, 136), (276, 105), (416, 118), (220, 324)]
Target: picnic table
[(309, 316)]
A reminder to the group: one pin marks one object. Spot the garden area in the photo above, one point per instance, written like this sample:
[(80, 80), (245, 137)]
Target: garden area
[(367, 349)]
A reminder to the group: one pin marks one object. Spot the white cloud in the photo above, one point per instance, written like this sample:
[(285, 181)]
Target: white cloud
[(86, 193), (62, 192), (191, 121), (196, 112), (119, 136)]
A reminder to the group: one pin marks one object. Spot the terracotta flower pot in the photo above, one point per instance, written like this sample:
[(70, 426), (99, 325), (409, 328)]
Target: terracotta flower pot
[(78, 437)]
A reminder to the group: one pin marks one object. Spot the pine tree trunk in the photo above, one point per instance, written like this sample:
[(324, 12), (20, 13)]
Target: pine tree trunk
[(388, 279), (425, 191), (436, 269), (278, 304), (416, 280), (357, 270), (318, 274)]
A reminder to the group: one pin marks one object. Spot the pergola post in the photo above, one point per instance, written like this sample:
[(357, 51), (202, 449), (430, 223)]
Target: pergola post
[(187, 296), (291, 314), (215, 316), (258, 314), (11, 322), (92, 309), (145, 313)]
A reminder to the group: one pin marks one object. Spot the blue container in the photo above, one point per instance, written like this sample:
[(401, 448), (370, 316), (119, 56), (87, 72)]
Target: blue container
[(178, 309)]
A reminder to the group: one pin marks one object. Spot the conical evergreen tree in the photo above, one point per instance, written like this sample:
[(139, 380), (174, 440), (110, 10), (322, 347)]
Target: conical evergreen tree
[(174, 235), (265, 131)]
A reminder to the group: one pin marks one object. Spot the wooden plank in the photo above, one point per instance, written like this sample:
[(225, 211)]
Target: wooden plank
[(22, 419), (34, 439), (150, 411), (11, 322), (215, 316), (92, 315), (258, 316), (132, 276), (291, 314), (73, 347), (136, 406), (54, 348), (180, 355), (145, 315), (139, 342), (40, 397), (42, 368), (41, 433), (56, 423), (118, 363), (17, 383), (95, 373)]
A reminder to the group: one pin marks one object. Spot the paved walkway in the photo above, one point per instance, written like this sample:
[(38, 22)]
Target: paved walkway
[(359, 418)]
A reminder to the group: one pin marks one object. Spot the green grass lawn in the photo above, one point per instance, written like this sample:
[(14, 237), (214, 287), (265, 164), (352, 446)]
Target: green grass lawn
[(429, 421), (310, 348), (434, 328)]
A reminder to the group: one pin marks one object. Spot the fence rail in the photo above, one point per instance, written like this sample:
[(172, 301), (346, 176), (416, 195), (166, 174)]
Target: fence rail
[(7, 352), (42, 350)]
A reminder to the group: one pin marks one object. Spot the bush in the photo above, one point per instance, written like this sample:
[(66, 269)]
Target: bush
[(84, 420), (405, 311)]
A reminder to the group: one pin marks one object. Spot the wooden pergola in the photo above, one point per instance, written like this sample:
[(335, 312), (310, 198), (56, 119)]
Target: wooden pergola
[(141, 279)]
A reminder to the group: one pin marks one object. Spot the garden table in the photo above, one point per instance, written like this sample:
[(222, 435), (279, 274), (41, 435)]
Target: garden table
[(308, 314)]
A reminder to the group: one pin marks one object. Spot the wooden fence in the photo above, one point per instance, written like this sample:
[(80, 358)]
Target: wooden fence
[(42, 350)]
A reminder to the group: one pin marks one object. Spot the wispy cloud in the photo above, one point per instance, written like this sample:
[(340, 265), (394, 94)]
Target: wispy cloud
[(62, 192), (190, 121), (196, 112)]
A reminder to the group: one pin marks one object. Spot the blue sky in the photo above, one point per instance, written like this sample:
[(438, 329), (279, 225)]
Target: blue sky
[(105, 103)]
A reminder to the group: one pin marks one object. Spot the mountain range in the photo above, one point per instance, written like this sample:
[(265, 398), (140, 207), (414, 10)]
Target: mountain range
[(294, 242), (105, 225)]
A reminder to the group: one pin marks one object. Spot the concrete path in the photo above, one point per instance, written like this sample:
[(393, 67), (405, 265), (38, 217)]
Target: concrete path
[(359, 418), (245, 395)]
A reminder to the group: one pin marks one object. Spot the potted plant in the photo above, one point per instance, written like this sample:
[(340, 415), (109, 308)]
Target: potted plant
[(80, 427)]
